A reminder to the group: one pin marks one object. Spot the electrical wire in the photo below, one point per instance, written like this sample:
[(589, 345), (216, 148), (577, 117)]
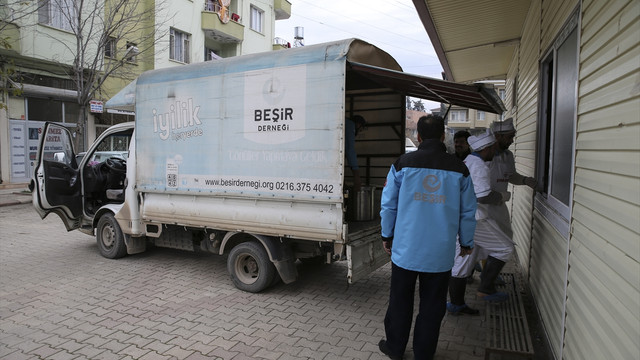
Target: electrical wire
[(386, 30), (359, 35)]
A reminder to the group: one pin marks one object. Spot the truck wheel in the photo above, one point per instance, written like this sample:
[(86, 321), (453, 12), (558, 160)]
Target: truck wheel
[(250, 267), (110, 238)]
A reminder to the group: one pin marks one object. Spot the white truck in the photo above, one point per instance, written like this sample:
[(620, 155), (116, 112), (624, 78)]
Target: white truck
[(245, 156)]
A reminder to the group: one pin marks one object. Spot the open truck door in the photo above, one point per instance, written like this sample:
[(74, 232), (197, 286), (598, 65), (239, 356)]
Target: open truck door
[(56, 177)]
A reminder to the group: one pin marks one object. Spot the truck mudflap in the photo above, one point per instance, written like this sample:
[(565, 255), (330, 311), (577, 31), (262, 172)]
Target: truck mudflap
[(365, 254)]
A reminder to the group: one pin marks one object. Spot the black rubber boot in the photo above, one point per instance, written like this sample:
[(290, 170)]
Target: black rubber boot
[(490, 272), (457, 306), (457, 287), (487, 289)]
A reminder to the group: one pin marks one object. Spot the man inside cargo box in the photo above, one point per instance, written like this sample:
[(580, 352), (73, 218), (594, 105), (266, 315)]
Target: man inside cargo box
[(461, 145), (428, 204), (353, 126)]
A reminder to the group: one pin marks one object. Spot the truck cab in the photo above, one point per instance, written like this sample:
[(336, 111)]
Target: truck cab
[(77, 188)]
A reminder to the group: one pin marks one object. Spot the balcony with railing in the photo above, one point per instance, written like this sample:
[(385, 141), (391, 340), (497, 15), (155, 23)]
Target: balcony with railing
[(220, 23), (282, 9), (280, 44)]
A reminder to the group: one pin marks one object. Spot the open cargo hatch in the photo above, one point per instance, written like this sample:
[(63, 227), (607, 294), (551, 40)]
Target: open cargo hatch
[(474, 96)]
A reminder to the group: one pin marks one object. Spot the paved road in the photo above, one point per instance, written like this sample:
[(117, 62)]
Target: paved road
[(59, 299)]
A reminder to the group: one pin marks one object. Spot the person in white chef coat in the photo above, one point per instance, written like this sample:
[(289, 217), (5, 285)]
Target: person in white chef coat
[(490, 242), (503, 172)]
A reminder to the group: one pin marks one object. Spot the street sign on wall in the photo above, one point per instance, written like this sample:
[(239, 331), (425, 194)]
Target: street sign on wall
[(95, 106)]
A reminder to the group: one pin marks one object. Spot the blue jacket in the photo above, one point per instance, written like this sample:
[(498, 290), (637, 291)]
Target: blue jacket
[(427, 201)]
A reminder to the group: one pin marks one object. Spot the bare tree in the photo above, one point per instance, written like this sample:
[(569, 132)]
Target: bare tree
[(110, 36)]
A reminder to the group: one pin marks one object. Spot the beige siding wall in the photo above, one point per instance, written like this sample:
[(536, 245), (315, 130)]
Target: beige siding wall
[(554, 15), (603, 306), (541, 250), (587, 287), (548, 278), (524, 68)]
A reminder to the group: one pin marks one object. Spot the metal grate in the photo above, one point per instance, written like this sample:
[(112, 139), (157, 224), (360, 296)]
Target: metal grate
[(507, 326)]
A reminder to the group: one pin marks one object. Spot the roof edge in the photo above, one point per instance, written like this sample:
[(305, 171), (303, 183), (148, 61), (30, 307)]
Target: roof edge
[(425, 16)]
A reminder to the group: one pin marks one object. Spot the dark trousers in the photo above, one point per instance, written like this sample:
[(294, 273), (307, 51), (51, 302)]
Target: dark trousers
[(433, 302)]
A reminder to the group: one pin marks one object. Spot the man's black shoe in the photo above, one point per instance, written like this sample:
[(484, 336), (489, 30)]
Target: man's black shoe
[(382, 345), (461, 309)]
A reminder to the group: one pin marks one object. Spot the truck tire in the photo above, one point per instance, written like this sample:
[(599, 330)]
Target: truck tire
[(250, 268), (110, 238)]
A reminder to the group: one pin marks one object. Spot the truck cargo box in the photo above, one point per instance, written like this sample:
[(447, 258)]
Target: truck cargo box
[(246, 156)]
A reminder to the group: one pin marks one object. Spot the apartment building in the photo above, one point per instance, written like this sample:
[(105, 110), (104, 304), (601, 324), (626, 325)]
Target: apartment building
[(411, 127), (39, 51), (474, 121)]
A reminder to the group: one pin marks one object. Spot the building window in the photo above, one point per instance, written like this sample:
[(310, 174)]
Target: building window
[(556, 127), (257, 19), (40, 109), (179, 46), (132, 52), (60, 14), (458, 116), (110, 48), (71, 112), (212, 5), (502, 93), (481, 116)]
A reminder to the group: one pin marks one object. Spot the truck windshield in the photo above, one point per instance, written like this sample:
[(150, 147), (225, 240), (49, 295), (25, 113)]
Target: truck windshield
[(114, 145)]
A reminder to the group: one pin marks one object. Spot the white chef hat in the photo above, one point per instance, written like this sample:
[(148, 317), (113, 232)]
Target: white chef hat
[(503, 127), (481, 141)]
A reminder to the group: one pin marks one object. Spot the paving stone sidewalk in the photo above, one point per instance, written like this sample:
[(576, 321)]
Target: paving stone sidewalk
[(14, 195), (59, 299)]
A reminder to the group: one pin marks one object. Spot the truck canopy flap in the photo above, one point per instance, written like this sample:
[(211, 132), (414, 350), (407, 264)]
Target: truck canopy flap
[(475, 96)]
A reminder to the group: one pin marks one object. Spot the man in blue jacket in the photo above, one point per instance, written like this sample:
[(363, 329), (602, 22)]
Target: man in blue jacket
[(427, 203)]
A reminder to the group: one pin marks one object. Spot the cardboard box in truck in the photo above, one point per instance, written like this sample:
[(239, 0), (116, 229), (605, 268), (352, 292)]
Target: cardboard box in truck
[(242, 156)]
